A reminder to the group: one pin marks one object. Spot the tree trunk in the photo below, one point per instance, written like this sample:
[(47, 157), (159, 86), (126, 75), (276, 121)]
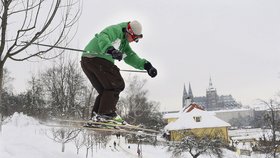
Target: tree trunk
[(1, 85), (1, 122), (87, 152), (1, 90), (63, 147)]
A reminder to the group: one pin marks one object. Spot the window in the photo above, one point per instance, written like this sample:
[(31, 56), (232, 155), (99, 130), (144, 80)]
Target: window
[(197, 118)]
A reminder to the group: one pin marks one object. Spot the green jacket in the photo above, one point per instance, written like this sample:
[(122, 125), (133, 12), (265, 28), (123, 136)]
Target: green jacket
[(113, 36)]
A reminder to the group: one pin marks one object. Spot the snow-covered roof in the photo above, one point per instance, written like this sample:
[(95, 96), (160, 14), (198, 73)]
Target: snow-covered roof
[(192, 106), (187, 121), (176, 115), (189, 108), (171, 115)]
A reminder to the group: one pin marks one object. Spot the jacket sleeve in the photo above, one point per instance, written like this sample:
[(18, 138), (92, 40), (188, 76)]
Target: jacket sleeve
[(104, 42), (134, 60), (107, 36)]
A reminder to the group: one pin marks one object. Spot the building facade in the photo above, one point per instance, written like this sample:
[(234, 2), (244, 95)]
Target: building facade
[(211, 101), (193, 120)]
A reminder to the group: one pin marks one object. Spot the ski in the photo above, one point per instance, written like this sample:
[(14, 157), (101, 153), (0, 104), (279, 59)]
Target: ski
[(126, 126), (101, 129)]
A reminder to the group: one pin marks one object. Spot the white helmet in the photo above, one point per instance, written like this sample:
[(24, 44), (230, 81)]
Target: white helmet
[(136, 27)]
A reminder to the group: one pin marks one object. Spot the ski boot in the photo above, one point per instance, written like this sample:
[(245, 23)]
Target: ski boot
[(112, 118)]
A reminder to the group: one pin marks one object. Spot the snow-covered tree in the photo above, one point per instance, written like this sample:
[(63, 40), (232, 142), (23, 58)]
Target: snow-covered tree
[(197, 145)]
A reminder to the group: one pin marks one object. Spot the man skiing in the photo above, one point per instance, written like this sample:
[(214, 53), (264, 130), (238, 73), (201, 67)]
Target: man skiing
[(97, 62)]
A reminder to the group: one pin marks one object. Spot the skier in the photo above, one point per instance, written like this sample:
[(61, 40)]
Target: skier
[(97, 62), (115, 144)]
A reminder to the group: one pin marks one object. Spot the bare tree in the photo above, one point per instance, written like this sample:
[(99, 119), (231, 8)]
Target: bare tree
[(63, 135), (7, 81), (136, 108), (102, 138), (270, 144), (60, 91), (25, 22), (64, 85), (79, 141), (6, 84), (34, 99), (89, 141)]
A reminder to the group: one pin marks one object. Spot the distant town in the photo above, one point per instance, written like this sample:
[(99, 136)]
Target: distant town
[(247, 130)]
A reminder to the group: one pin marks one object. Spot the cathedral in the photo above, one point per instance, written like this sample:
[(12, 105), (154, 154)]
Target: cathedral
[(212, 101)]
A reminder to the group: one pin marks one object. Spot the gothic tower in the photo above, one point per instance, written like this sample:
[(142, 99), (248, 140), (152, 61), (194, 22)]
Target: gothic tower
[(185, 96), (190, 92), (212, 97)]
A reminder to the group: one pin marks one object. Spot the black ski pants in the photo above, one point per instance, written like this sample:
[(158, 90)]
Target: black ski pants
[(105, 77)]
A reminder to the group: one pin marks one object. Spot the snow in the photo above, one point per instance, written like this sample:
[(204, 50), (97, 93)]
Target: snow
[(177, 114), (171, 115), (186, 121), (25, 137), (232, 110)]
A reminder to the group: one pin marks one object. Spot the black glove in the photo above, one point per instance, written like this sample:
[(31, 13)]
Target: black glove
[(115, 53), (150, 69)]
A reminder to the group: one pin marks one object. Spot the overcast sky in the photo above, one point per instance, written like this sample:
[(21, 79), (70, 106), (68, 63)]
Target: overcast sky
[(236, 42)]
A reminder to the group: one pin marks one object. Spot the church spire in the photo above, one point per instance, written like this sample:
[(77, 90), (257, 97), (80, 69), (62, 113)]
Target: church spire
[(185, 96), (210, 85), (190, 92), (210, 82)]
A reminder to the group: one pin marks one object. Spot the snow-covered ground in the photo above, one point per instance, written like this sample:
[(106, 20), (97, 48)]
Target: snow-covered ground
[(25, 137)]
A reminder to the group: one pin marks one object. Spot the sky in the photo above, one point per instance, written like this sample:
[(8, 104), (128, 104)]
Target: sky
[(235, 42)]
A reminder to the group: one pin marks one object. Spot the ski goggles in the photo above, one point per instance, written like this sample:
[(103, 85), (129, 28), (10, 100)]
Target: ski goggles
[(131, 33)]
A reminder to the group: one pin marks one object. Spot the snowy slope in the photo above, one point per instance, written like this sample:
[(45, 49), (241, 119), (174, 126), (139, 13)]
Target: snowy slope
[(24, 137)]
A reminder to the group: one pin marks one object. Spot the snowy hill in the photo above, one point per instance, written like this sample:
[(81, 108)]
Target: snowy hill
[(25, 137)]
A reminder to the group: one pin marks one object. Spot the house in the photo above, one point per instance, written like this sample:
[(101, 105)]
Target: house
[(194, 120)]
